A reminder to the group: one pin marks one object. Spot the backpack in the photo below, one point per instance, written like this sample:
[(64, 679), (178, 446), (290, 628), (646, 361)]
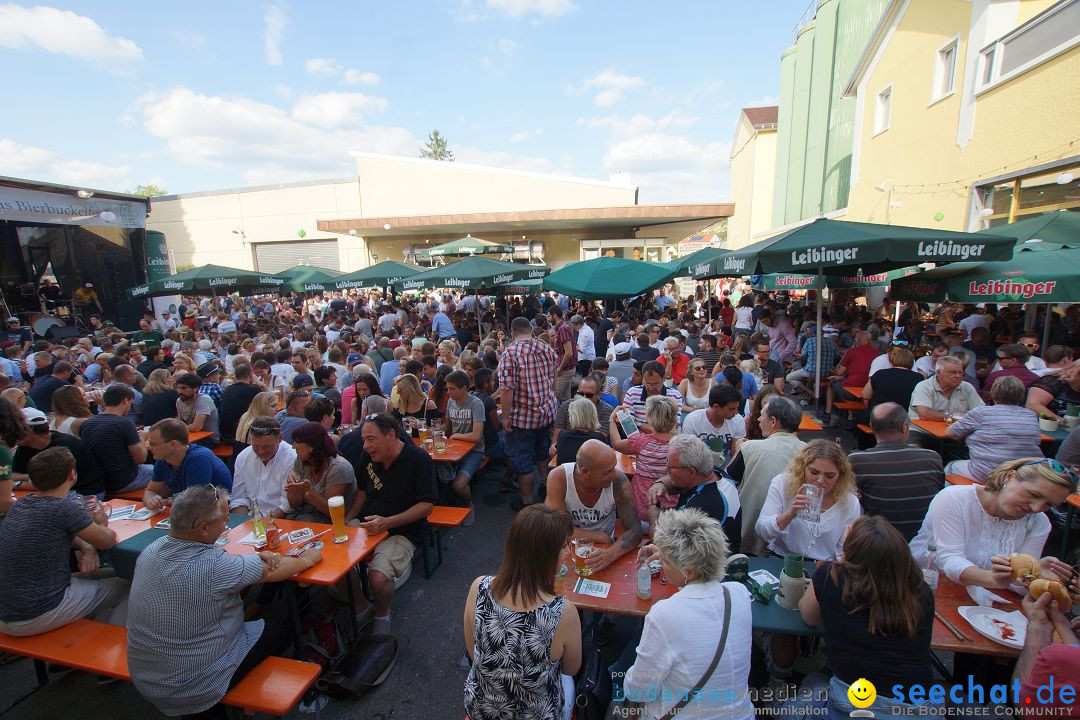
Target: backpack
[(364, 668)]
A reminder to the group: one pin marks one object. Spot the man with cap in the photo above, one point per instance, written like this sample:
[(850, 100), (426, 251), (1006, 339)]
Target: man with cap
[(86, 298), (90, 480), (15, 334), (166, 322), (210, 374), (622, 368)]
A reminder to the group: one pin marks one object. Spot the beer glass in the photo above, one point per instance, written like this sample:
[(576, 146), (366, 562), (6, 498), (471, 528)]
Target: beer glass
[(582, 549), (337, 516), (440, 441), (813, 493)]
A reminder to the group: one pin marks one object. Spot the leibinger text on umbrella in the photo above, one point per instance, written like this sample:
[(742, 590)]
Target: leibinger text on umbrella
[(172, 285), (221, 281), (537, 273), (947, 248), (1011, 287), (502, 278), (141, 290), (457, 282), (412, 284), (731, 263), (267, 280), (917, 287), (313, 286), (822, 256), (794, 281)]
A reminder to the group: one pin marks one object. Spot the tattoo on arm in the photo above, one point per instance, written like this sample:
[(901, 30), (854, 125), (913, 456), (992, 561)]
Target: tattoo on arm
[(627, 514)]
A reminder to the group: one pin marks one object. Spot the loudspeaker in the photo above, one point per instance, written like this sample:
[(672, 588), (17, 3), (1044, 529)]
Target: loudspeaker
[(59, 333)]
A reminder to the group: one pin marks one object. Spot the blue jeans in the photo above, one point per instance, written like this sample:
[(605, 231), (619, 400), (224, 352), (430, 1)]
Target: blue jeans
[(142, 478), (818, 691), (527, 447)]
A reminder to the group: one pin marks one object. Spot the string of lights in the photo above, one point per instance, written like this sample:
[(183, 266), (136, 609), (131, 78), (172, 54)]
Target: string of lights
[(914, 188)]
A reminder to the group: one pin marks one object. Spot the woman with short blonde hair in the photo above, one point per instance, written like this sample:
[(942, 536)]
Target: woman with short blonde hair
[(583, 424), (265, 404)]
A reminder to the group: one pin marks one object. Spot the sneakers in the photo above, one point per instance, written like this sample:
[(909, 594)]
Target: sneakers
[(470, 519)]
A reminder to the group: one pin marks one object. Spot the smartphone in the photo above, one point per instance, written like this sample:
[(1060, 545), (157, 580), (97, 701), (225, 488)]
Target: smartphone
[(626, 423)]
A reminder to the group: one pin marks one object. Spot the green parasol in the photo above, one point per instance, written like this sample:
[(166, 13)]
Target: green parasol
[(610, 278), (1060, 228), (308, 278), (825, 245), (792, 281), (698, 257), (467, 245), (384, 274), (1036, 274), (209, 280), (474, 274)]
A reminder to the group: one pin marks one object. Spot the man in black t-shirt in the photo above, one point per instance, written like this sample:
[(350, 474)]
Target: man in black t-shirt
[(44, 388), (235, 401), (89, 481), (771, 370), (396, 492), (691, 475)]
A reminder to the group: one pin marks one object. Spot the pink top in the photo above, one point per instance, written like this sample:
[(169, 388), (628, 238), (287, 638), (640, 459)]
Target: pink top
[(347, 396), (651, 465)]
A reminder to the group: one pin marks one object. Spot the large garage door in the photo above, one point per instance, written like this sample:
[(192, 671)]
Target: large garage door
[(277, 256)]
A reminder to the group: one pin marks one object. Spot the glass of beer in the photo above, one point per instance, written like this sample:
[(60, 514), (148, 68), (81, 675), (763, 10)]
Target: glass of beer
[(582, 549), (337, 516), (440, 441)]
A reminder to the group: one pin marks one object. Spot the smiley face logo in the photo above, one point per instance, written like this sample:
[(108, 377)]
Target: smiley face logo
[(862, 693)]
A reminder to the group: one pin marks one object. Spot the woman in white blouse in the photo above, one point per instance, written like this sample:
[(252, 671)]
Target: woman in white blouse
[(682, 633), (975, 528), (821, 463)]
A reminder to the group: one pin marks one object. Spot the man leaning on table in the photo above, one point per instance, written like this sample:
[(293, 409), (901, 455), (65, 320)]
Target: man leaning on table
[(185, 661), (261, 470), (595, 494), (180, 465), (395, 493), (943, 394)]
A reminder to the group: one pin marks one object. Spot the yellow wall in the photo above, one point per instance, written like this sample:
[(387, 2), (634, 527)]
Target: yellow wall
[(1028, 115), (1030, 8), (753, 173)]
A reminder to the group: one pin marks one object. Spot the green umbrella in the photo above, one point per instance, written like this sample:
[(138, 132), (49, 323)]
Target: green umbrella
[(384, 274), (698, 257), (850, 281), (524, 287), (308, 278), (474, 274), (1060, 228), (209, 280), (1036, 274), (609, 278), (467, 245), (825, 245)]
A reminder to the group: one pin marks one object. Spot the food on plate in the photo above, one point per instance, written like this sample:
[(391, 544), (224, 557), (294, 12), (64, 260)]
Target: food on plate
[(1007, 631), (1039, 586), (1025, 568)]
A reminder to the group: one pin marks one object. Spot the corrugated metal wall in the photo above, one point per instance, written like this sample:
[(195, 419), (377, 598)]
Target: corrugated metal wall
[(277, 256)]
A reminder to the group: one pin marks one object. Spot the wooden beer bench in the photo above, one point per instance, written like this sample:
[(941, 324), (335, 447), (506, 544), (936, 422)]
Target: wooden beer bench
[(442, 516), (274, 686)]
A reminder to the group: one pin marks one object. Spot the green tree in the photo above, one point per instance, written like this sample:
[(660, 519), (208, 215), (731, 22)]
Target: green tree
[(436, 148), (149, 190), (182, 268)]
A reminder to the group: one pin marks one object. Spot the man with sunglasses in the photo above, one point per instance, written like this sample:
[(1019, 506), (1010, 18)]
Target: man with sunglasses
[(261, 470), (589, 390), (1011, 362), (1033, 363)]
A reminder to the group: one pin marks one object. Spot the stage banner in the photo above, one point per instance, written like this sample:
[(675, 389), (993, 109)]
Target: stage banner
[(34, 206)]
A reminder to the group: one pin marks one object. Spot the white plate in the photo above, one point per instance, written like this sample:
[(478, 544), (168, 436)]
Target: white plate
[(989, 623)]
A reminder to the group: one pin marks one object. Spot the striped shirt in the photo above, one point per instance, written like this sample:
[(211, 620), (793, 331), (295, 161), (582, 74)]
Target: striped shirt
[(995, 434), (898, 482), (527, 368), (635, 400), (651, 464), (186, 629)]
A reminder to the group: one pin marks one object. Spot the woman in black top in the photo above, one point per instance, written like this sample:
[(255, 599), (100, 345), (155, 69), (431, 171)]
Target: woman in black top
[(876, 614), (159, 397), (583, 425)]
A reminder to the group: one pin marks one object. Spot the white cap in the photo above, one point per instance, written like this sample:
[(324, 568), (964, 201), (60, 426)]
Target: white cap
[(12, 319), (33, 413), (622, 348)]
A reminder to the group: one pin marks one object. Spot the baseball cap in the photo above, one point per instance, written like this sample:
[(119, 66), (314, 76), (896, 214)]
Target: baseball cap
[(39, 423), (301, 381), (622, 348), (207, 369), (12, 319), (32, 414)]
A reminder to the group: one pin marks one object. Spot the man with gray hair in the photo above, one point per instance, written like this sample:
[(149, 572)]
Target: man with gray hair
[(187, 641), (896, 480), (757, 462), (692, 478), (944, 395)]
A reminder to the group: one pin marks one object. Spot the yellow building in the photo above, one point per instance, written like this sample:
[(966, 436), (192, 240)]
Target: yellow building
[(396, 206), (967, 113), (753, 159)]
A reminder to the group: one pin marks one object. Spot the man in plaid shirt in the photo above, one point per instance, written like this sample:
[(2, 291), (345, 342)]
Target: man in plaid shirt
[(566, 350), (527, 382), (829, 356)]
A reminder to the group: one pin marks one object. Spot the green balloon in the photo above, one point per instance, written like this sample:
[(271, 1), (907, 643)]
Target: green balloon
[(937, 216), (300, 233)]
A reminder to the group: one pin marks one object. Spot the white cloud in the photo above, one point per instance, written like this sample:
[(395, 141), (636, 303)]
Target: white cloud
[(274, 20), (501, 159), (518, 8), (355, 77), (41, 164), (523, 135), (766, 101), (283, 91), (638, 123), (507, 46), (327, 66), (65, 33), (609, 86), (322, 66), (261, 142), (336, 109)]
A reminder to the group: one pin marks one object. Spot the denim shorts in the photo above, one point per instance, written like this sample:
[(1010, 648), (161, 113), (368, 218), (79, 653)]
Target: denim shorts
[(526, 448), (469, 464)]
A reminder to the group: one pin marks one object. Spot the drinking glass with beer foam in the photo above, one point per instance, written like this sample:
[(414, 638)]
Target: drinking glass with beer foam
[(337, 516)]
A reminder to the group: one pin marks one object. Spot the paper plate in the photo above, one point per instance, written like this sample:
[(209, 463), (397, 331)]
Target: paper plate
[(1005, 628)]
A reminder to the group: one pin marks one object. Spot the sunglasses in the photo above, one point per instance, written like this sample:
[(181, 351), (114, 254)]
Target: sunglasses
[(698, 367), (1055, 466), (900, 343), (1030, 345), (587, 395), (263, 432)]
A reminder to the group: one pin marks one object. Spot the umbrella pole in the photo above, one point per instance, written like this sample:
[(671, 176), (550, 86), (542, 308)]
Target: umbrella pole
[(708, 284), (479, 323), (817, 359), (1046, 327)]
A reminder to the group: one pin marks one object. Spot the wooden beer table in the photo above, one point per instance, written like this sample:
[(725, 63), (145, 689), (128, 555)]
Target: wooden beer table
[(622, 597), (937, 428), (196, 436), (808, 423), (948, 599), (456, 450)]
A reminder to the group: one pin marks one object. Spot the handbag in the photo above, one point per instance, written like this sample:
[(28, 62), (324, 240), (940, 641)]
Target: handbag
[(365, 667)]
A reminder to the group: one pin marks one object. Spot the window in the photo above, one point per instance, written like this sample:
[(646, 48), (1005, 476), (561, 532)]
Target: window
[(1045, 36), (945, 70), (883, 110)]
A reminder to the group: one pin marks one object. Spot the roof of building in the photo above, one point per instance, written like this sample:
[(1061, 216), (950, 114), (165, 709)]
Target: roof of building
[(762, 118), (629, 216), (68, 189)]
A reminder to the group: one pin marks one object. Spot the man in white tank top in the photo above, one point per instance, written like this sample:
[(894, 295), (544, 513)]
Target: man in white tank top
[(596, 494)]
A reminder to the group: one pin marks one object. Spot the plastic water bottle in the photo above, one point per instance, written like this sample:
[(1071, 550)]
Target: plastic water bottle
[(930, 572), (644, 581)]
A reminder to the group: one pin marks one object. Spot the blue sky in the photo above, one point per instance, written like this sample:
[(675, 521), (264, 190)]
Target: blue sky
[(201, 96)]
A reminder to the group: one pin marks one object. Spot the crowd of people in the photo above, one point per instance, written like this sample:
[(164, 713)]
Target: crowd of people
[(320, 397)]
